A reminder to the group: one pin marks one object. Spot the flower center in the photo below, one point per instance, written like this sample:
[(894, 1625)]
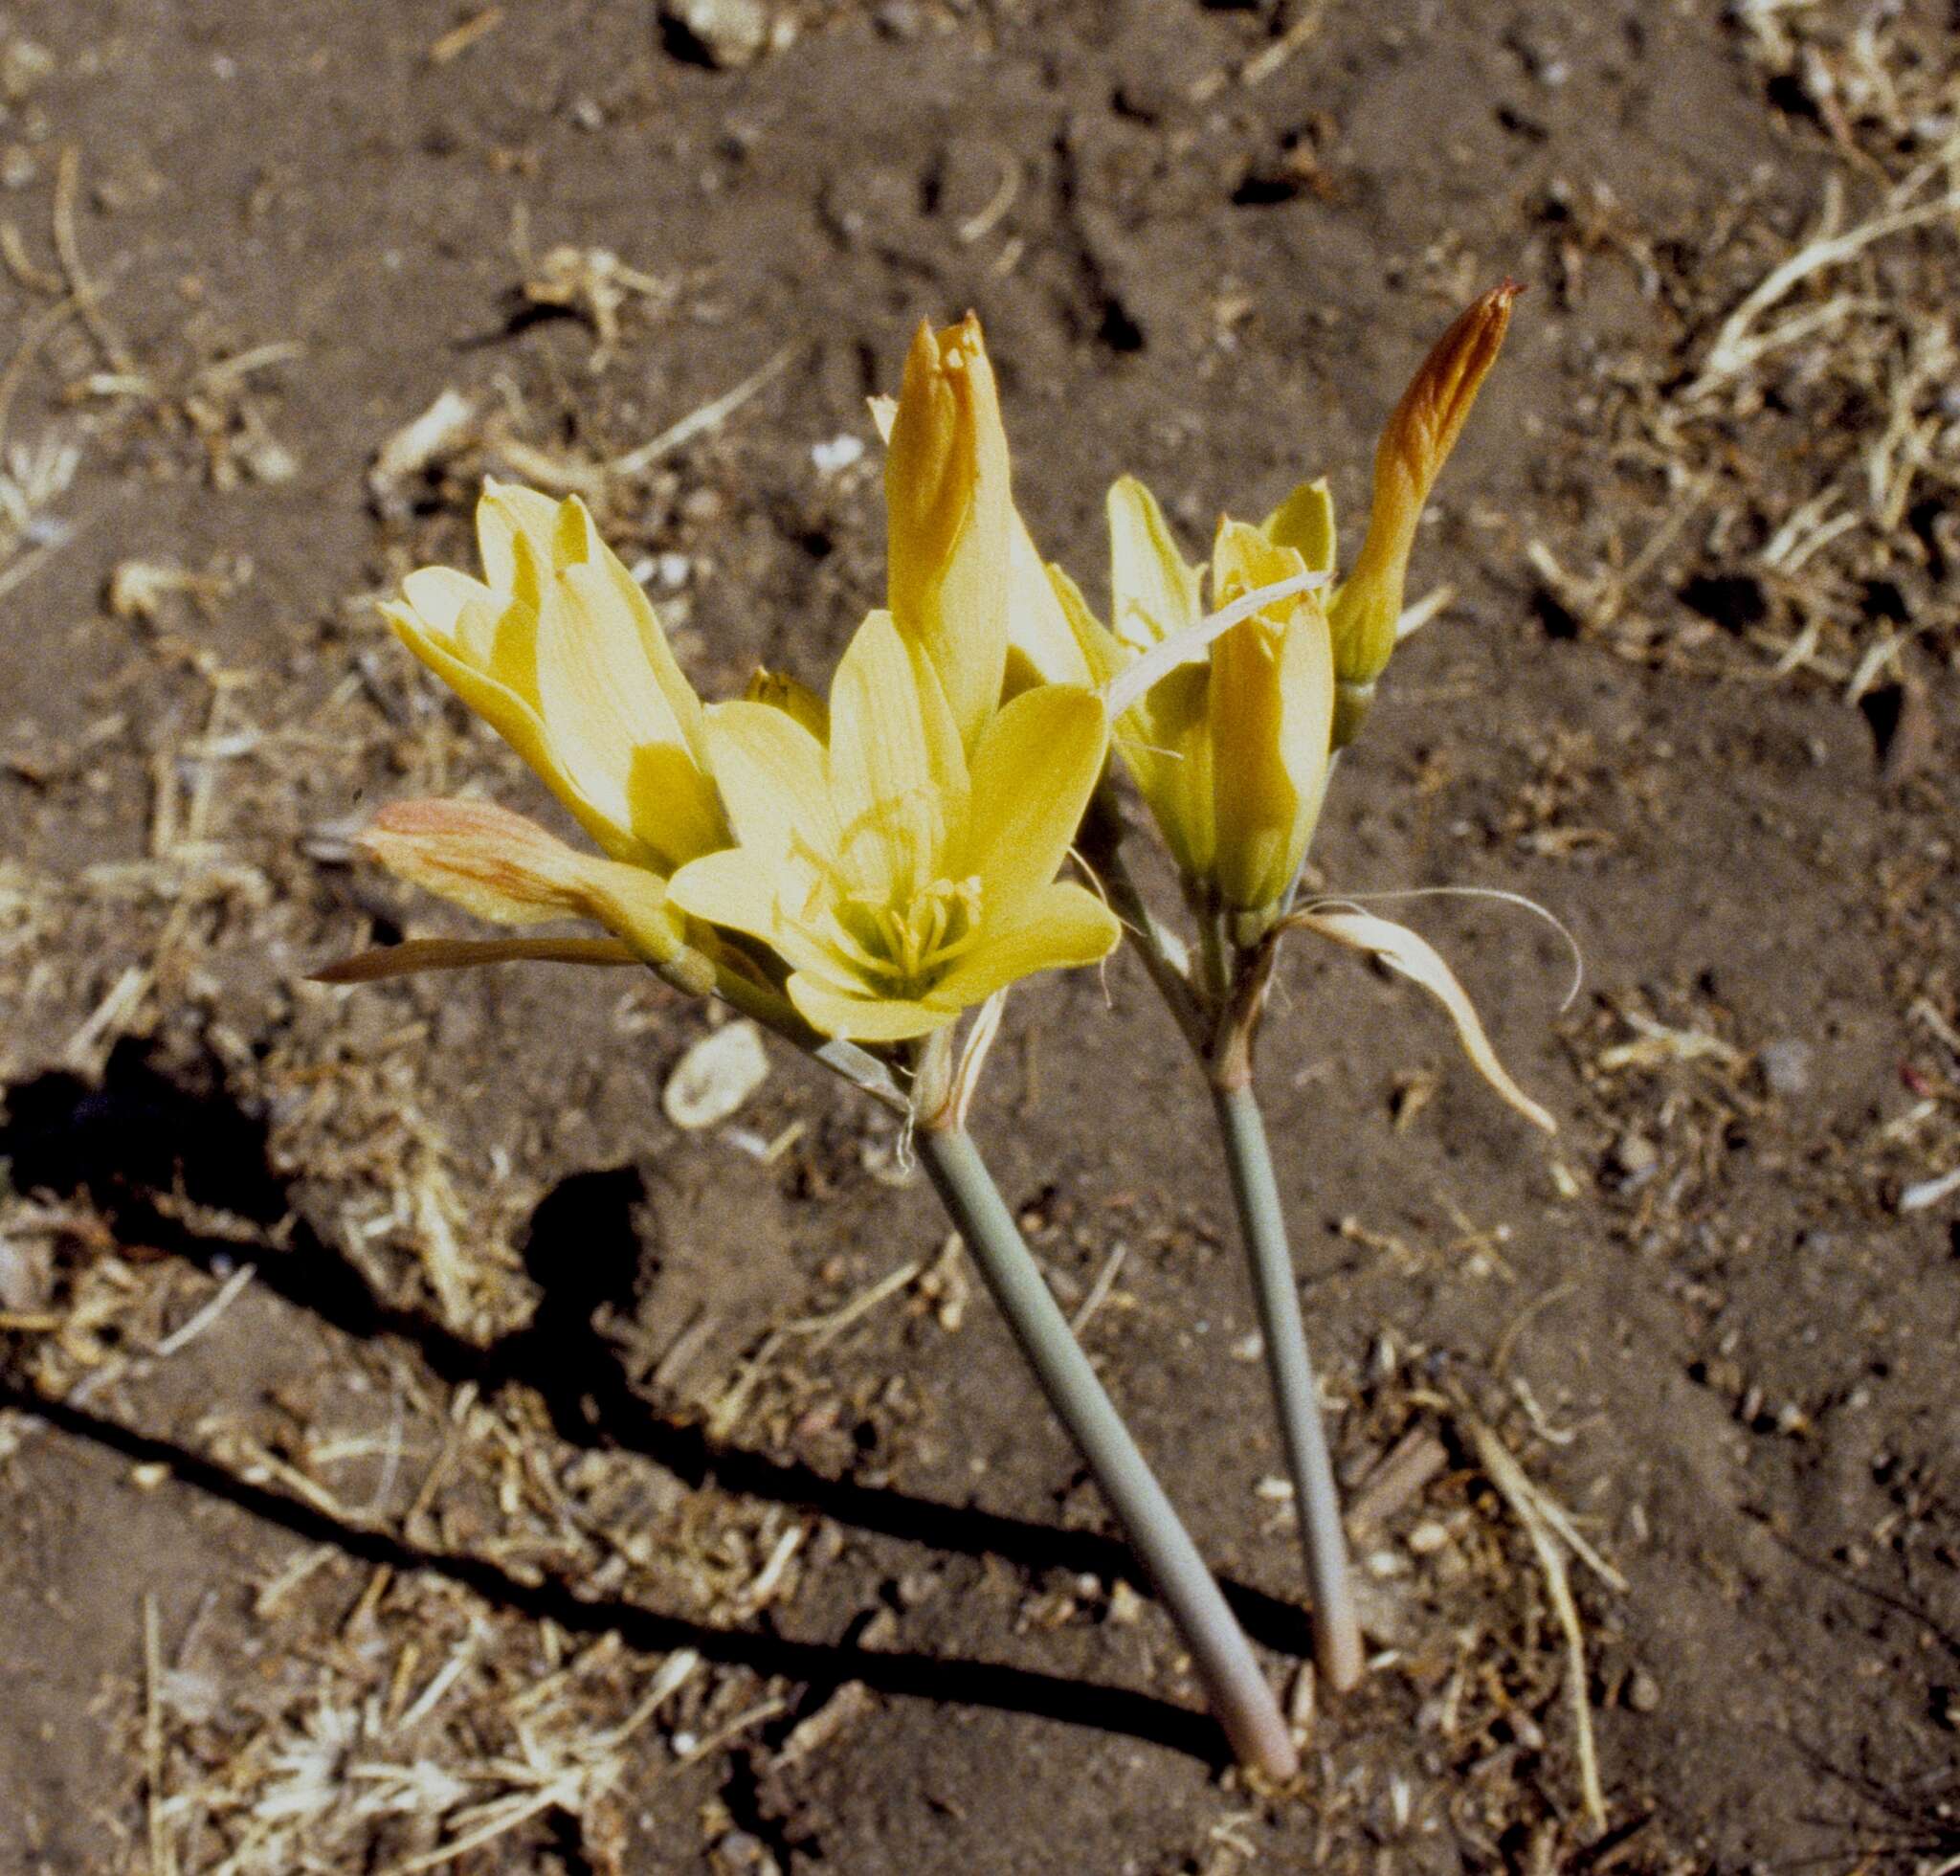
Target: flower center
[(913, 942), (904, 945)]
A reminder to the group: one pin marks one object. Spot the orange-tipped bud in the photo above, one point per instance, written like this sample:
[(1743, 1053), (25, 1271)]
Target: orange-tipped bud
[(1413, 450)]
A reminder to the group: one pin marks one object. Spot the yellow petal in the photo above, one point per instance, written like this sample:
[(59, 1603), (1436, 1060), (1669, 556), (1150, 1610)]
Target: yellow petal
[(1154, 590), (1034, 772), (506, 515), (1305, 522), (1415, 957), (735, 888), (773, 780), (897, 772), (1042, 646), (1271, 705), (1414, 447), (1103, 654), (739, 891), (414, 955), (492, 631), (503, 867), (1059, 927), (834, 1012), (780, 692), (441, 599), (517, 720), (610, 723), (608, 577), (949, 516), (1166, 743)]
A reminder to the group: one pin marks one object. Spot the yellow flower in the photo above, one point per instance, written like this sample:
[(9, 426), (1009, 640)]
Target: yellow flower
[(561, 651), (1413, 448), (899, 880), (1230, 750), (949, 516)]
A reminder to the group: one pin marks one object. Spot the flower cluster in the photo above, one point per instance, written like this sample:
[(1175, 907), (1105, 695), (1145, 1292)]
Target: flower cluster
[(875, 863), (868, 866), (859, 869)]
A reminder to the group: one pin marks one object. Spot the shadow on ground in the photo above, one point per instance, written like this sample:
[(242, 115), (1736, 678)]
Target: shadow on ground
[(147, 1135)]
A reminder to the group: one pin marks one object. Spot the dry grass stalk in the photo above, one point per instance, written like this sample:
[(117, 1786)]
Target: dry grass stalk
[(1545, 1524)]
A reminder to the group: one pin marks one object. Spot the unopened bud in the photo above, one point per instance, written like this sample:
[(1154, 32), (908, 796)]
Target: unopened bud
[(1413, 448)]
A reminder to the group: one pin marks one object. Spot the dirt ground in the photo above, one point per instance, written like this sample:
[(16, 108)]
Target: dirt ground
[(417, 1453)]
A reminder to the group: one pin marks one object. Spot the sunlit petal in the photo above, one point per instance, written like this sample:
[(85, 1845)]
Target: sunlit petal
[(1059, 927), (520, 725), (897, 771), (1155, 591), (505, 514), (773, 780), (1034, 772), (1305, 522), (833, 1012), (1042, 644), (611, 724), (949, 515)]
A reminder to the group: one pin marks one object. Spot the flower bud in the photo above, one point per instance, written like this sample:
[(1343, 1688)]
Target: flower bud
[(499, 866), (1271, 707), (1414, 447)]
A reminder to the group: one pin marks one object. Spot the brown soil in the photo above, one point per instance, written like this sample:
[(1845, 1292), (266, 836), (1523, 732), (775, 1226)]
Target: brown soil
[(521, 1403)]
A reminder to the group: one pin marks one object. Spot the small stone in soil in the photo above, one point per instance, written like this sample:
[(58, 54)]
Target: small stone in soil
[(1787, 1066), (725, 33)]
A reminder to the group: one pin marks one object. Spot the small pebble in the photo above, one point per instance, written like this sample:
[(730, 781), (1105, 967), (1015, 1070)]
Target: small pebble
[(1634, 1152), (1643, 1691), (1427, 1538), (838, 455), (715, 1076), (23, 65), (726, 33), (1787, 1066)]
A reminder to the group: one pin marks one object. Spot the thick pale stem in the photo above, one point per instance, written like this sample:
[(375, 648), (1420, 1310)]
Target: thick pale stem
[(1223, 1658), (1337, 1635)]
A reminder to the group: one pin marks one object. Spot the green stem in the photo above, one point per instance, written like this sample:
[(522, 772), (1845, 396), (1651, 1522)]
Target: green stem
[(1164, 955), (1223, 1658), (1336, 1634)]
